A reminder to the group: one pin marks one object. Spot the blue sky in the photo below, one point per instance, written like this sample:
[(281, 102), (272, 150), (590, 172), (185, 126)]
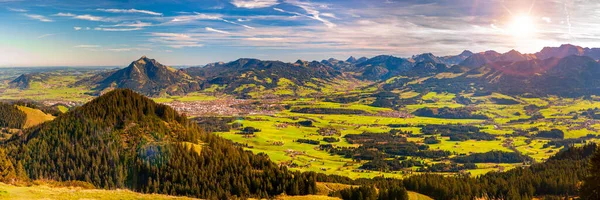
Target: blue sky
[(180, 32)]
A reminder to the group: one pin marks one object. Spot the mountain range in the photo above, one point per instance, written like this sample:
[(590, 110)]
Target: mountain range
[(511, 72)]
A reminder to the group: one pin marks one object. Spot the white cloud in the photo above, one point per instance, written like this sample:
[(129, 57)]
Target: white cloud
[(216, 30), (178, 36), (89, 17), (60, 14), (117, 29), (330, 15), (87, 46), (82, 17), (202, 16), (175, 40), (245, 26), (17, 10), (254, 3), (77, 28), (196, 16), (39, 17), (264, 39), (128, 49), (137, 24), (130, 11), (312, 12)]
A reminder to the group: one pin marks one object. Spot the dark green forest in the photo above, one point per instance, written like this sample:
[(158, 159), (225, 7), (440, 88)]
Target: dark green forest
[(11, 116)]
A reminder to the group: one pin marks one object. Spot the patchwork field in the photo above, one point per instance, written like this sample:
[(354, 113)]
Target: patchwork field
[(279, 133)]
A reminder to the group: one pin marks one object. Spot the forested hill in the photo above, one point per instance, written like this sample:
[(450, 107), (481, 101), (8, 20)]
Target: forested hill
[(560, 176), (125, 140)]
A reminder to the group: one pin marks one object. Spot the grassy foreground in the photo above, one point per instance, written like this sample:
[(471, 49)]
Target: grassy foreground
[(46, 192)]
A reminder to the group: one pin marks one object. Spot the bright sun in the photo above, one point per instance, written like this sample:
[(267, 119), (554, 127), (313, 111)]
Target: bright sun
[(522, 26)]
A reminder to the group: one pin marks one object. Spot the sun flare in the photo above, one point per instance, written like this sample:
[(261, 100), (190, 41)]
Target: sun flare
[(522, 26)]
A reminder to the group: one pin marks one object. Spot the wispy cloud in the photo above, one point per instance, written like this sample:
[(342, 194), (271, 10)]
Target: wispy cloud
[(130, 11), (89, 17), (254, 3), (312, 11), (61, 14), (330, 15), (137, 24), (117, 29), (87, 46), (271, 39), (175, 40), (39, 17), (77, 28), (82, 17), (45, 35), (231, 22), (216, 30), (201, 16), (128, 49), (17, 9), (196, 16)]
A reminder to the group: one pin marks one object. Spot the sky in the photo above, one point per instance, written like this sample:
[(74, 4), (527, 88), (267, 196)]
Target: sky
[(186, 32)]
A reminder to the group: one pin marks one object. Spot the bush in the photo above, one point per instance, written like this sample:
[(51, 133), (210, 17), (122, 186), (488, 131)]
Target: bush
[(331, 139), (431, 140), (554, 133)]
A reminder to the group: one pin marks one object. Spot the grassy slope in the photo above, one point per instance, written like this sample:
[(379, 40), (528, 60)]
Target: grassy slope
[(417, 196), (45, 192), (63, 109), (35, 116)]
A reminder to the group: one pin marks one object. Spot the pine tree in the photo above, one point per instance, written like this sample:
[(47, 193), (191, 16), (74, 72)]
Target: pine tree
[(7, 170), (20, 172), (591, 185)]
